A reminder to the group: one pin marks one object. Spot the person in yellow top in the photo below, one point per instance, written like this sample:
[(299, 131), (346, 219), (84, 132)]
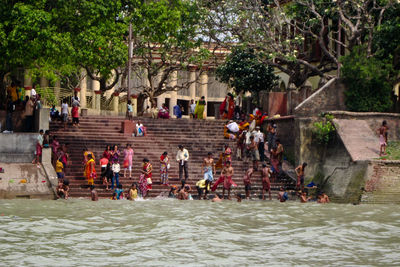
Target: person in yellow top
[(59, 169), (201, 186), (133, 192), (90, 171), (12, 90), (199, 110)]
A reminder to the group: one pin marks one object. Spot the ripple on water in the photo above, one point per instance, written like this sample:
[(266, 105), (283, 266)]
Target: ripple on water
[(171, 232)]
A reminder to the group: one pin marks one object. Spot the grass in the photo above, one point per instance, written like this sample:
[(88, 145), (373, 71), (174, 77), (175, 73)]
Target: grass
[(392, 150)]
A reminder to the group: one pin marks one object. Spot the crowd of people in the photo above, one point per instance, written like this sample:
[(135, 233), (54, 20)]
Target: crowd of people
[(252, 146)]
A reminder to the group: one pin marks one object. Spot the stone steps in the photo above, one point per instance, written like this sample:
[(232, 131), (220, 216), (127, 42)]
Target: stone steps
[(199, 137)]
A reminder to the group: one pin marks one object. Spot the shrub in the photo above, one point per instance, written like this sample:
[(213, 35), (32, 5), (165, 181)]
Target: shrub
[(323, 130)]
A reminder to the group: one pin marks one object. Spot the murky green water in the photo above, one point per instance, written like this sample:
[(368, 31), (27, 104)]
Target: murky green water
[(196, 233)]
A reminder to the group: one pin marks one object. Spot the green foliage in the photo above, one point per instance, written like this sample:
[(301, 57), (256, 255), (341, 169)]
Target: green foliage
[(387, 38), (392, 150), (47, 95), (244, 71), (367, 81), (323, 130)]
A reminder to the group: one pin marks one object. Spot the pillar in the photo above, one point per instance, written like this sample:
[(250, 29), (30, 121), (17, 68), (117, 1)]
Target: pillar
[(192, 86), (44, 82), (160, 98), (27, 81), (83, 86), (174, 95), (96, 97), (57, 87), (134, 105), (115, 104), (204, 87)]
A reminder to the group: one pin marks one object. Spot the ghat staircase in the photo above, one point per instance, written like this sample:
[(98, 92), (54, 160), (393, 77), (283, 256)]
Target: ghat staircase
[(198, 136)]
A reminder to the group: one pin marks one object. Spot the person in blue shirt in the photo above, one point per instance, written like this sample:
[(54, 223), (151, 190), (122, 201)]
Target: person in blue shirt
[(178, 111), (119, 192)]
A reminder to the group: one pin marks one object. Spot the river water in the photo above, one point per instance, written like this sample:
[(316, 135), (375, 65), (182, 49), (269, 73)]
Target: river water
[(79, 232)]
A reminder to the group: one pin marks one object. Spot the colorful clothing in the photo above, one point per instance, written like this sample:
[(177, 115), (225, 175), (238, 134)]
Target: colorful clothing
[(75, 112), (118, 192), (128, 157), (90, 171), (145, 178), (164, 169), (133, 193), (228, 182), (221, 179), (227, 155), (208, 174), (107, 154), (115, 156), (199, 110), (59, 166)]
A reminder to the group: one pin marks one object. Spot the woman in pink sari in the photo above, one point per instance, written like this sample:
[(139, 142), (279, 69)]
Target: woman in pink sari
[(128, 156), (145, 182)]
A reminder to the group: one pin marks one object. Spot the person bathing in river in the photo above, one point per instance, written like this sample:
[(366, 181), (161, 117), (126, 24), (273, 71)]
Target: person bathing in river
[(300, 176), (383, 134), (90, 170), (209, 172), (93, 193), (304, 198), (323, 198), (63, 189), (228, 182), (247, 181), (282, 195), (217, 198), (266, 172), (133, 192)]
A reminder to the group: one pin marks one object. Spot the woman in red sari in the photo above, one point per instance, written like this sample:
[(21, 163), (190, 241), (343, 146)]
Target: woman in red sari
[(231, 106), (145, 181)]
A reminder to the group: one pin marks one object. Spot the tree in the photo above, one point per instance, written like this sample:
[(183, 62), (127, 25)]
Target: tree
[(244, 72), (29, 39), (56, 39), (165, 40), (367, 80), (98, 33), (291, 35)]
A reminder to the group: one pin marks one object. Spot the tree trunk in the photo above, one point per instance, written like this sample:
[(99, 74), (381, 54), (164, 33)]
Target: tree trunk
[(2, 91), (140, 103)]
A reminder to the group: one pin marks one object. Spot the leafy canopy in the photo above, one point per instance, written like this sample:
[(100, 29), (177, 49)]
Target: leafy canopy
[(367, 80), (244, 72)]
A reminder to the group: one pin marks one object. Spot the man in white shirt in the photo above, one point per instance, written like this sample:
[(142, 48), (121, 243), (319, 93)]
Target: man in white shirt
[(182, 157), (259, 138)]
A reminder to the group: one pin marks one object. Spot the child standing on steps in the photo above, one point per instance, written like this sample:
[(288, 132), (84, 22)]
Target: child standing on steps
[(39, 147), (60, 169), (129, 110), (115, 169)]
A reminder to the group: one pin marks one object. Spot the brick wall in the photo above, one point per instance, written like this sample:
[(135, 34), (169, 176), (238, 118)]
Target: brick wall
[(383, 182)]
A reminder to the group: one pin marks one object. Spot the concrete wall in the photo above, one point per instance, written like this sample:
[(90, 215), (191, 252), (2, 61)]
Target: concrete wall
[(327, 98), (286, 134), (26, 180), (17, 147)]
